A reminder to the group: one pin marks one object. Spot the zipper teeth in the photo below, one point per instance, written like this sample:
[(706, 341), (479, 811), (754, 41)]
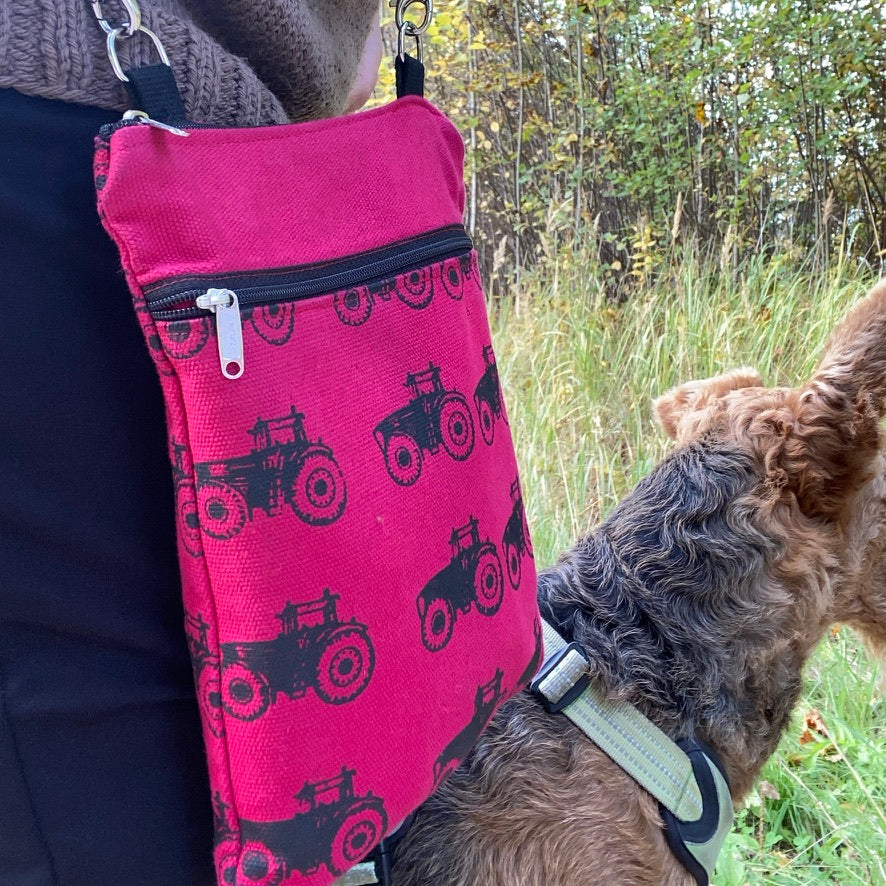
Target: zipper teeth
[(163, 308), (108, 129)]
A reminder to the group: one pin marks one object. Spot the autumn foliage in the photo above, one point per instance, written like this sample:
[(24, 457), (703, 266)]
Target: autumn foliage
[(647, 128)]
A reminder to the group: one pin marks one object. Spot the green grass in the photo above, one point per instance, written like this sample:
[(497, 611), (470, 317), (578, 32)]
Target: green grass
[(579, 374)]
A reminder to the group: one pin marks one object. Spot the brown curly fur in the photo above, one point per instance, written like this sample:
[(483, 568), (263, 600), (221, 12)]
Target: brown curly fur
[(699, 600)]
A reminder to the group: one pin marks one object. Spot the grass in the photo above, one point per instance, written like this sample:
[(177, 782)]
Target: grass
[(578, 374)]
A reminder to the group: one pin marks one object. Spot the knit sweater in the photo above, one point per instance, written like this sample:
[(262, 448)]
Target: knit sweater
[(237, 62)]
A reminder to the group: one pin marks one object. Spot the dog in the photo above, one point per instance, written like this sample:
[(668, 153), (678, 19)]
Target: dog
[(860, 598), (698, 600)]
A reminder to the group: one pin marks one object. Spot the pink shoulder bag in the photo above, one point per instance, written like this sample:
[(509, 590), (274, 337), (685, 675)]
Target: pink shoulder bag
[(356, 567)]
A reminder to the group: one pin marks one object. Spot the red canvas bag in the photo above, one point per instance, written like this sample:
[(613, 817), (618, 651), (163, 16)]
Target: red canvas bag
[(356, 568)]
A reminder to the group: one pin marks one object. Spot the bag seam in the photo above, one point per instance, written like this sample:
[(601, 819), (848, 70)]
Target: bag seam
[(126, 262)]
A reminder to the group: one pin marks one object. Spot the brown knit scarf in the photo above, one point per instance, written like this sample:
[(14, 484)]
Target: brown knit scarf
[(237, 62)]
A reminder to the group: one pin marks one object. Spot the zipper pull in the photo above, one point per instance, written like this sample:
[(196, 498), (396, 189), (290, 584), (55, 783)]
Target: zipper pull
[(229, 330)]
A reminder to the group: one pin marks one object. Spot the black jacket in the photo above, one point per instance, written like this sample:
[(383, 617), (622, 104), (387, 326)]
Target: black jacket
[(102, 774)]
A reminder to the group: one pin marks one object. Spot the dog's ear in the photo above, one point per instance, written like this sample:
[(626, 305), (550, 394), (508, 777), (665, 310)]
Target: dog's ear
[(671, 408), (854, 359), (830, 449), (821, 451)]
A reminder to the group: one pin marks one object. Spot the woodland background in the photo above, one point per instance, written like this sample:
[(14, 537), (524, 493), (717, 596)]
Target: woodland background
[(652, 129)]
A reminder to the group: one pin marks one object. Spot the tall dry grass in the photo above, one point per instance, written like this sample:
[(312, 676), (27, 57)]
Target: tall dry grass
[(578, 373)]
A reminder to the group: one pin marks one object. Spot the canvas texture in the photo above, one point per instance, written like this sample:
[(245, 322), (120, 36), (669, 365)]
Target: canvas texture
[(357, 572)]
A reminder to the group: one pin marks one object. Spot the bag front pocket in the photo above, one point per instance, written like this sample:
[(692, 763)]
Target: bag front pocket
[(357, 571)]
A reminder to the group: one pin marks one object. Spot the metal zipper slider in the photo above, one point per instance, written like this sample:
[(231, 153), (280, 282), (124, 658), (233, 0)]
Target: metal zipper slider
[(229, 329), (142, 117)]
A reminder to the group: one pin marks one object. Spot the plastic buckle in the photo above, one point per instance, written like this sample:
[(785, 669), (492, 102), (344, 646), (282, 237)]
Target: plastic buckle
[(363, 874), (562, 678)]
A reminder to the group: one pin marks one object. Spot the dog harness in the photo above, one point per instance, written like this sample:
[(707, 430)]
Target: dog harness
[(687, 777)]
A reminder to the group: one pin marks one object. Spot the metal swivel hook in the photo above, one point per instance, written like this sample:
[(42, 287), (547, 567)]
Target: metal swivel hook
[(129, 28), (406, 28)]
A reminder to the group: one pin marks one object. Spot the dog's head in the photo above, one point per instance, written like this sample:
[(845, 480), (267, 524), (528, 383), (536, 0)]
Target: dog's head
[(818, 448), (816, 444), (686, 411)]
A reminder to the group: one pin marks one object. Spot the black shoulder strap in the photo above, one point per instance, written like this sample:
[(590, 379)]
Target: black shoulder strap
[(410, 73), (153, 90)]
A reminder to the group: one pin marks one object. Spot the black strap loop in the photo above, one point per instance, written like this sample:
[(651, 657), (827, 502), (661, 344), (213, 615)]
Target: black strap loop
[(410, 75), (153, 90)]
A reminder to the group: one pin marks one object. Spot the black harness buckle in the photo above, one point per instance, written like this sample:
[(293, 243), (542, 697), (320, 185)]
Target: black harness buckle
[(562, 678)]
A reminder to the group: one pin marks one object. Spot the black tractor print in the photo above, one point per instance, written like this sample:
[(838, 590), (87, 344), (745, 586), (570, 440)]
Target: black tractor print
[(453, 273), (185, 499), (486, 701), (155, 344), (488, 398), (333, 826), (205, 664), (283, 468), (354, 305), (185, 338), (516, 541), (274, 322), (433, 417), (473, 575), (225, 842), (101, 166), (314, 650), (414, 288)]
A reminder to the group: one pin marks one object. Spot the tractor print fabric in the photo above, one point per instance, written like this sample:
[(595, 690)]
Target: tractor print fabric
[(357, 570)]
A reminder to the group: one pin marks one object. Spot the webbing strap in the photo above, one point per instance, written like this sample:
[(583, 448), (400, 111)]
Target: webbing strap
[(631, 740), (153, 90), (409, 75)]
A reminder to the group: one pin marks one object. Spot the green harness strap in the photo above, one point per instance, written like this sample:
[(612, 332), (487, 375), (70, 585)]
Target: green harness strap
[(697, 805), (701, 817)]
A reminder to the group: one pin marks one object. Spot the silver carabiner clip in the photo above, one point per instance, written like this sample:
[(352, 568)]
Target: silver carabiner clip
[(129, 27), (406, 28), (402, 33), (114, 33), (400, 15)]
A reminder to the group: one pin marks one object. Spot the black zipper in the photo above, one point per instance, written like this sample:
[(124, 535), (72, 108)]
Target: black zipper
[(106, 130), (176, 299)]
